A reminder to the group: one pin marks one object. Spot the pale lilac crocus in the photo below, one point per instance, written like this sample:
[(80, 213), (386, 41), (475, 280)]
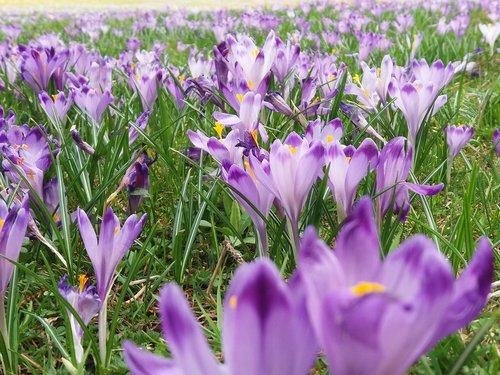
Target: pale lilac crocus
[(106, 254), (39, 65), (393, 168), (221, 148), (294, 166), (457, 137), (417, 101), (247, 119), (378, 317), (325, 133), (490, 33), (437, 73), (93, 102), (250, 190), (57, 106), (286, 58), (265, 330), (26, 152), (347, 167), (114, 241), (86, 303), (145, 83)]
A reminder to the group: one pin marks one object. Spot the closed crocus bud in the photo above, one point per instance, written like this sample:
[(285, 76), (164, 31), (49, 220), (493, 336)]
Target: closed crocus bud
[(81, 144), (57, 106), (278, 103)]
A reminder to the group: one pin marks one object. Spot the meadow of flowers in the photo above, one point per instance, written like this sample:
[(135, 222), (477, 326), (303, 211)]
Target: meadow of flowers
[(309, 190)]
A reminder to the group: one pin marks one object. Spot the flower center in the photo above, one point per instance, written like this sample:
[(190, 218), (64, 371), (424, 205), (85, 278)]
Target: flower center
[(366, 287)]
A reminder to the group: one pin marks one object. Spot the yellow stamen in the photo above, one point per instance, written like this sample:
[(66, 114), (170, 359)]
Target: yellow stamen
[(355, 78), (250, 84), (55, 217), (239, 97), (218, 129), (255, 52), (329, 139), (333, 51), (254, 133), (83, 280), (20, 162), (233, 302), (292, 149), (378, 72), (32, 175), (2, 222), (315, 99), (24, 146), (365, 91), (417, 87), (181, 78), (250, 170), (348, 158), (54, 97), (16, 146), (332, 76), (365, 287), (117, 229)]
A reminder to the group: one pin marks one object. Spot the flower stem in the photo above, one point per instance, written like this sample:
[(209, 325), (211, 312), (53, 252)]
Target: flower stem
[(4, 333), (103, 331), (448, 170)]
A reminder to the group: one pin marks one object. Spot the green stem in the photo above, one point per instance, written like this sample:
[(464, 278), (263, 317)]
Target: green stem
[(4, 332)]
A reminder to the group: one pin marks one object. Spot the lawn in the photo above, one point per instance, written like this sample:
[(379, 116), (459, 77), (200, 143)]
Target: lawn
[(175, 180)]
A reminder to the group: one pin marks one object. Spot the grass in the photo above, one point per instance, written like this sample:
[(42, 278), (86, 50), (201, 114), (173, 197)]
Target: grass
[(191, 218)]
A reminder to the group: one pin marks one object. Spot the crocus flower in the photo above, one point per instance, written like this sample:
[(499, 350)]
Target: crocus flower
[(39, 65), (146, 83), (496, 140), (294, 166), (415, 100), (457, 137), (490, 33), (347, 167), (250, 190), (392, 171), (86, 303), (262, 332), (93, 102), (13, 224), (27, 148), (437, 73), (286, 58), (223, 148), (378, 317), (248, 116), (325, 133), (141, 123), (113, 243), (57, 106)]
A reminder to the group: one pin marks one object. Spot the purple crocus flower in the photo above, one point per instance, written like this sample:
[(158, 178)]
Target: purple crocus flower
[(348, 166), (286, 58), (86, 303), (141, 123), (415, 100), (220, 149), (93, 102), (496, 140), (113, 243), (392, 171), (146, 83), (265, 330), (51, 199), (250, 190), (457, 137), (248, 116), (325, 133), (378, 317), (294, 166), (27, 148), (57, 106), (13, 224), (437, 73), (39, 65)]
